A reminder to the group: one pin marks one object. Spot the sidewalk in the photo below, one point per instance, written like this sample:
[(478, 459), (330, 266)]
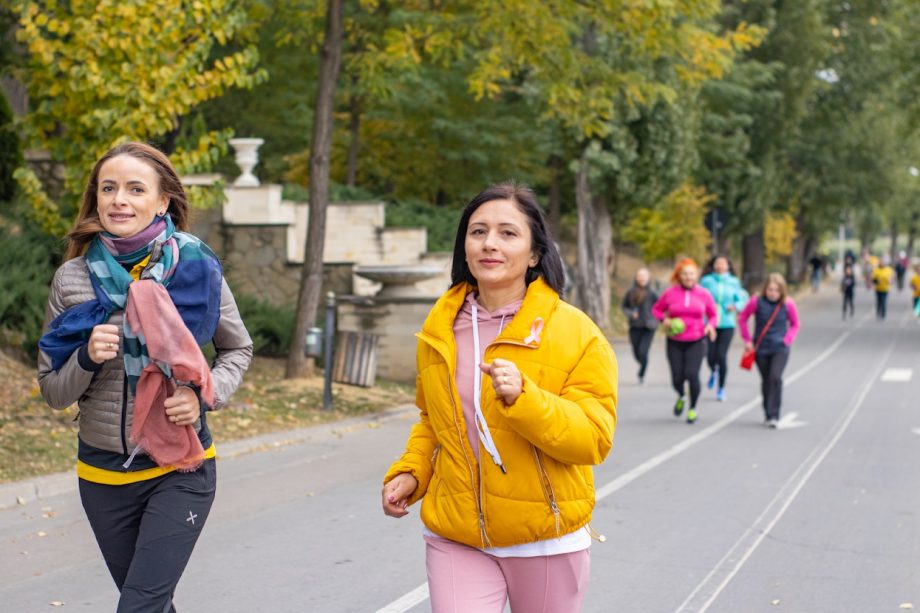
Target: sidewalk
[(40, 488)]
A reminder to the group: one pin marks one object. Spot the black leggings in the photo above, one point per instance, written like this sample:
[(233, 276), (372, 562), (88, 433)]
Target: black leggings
[(848, 302), (641, 340), (685, 359), (771, 369), (717, 355), (147, 532), (881, 305)]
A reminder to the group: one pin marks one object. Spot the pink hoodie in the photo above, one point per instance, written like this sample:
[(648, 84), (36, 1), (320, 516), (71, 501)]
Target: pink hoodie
[(490, 326), (695, 306)]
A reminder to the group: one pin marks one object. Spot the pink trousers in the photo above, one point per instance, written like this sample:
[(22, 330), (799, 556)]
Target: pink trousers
[(462, 579)]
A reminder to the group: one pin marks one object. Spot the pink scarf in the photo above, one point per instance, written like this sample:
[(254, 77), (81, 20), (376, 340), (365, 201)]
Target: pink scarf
[(174, 356)]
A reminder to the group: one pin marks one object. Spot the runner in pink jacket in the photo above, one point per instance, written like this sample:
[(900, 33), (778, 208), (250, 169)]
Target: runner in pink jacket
[(694, 306)]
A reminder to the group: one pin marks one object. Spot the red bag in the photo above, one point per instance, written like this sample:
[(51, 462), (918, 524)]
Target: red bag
[(747, 358)]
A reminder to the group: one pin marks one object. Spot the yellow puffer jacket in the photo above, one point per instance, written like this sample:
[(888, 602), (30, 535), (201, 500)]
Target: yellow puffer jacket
[(559, 427)]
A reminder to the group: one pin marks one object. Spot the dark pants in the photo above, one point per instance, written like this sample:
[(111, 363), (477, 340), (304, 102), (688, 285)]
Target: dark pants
[(771, 369), (848, 302), (641, 339), (147, 532), (685, 360), (881, 305), (717, 357)]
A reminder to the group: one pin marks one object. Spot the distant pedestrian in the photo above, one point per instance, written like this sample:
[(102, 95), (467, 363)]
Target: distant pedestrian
[(730, 297), (517, 396), (900, 268), (776, 324), (637, 306), (881, 278), (915, 286), (688, 315), (817, 270), (127, 312), (847, 287)]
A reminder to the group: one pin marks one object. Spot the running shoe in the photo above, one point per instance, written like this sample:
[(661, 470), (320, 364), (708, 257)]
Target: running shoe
[(679, 407), (691, 415), (720, 395), (773, 423), (712, 379)]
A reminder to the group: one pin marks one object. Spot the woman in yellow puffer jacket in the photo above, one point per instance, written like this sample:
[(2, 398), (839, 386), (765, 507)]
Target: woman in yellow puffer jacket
[(517, 394)]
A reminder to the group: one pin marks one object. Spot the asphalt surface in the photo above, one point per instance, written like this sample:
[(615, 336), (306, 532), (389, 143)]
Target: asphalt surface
[(725, 515)]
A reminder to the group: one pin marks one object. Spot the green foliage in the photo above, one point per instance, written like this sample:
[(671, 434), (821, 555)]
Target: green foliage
[(28, 259), (269, 326), (439, 221), (673, 228), (99, 73)]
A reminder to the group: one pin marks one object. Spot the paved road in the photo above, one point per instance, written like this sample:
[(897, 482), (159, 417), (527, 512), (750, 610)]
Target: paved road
[(724, 516)]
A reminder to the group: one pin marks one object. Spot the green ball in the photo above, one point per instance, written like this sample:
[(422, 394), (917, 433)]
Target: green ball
[(677, 326)]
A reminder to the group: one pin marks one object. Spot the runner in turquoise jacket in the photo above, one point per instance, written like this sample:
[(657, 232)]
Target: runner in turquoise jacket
[(730, 297)]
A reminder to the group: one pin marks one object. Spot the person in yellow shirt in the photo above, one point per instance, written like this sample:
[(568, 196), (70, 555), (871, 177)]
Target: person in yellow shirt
[(915, 286), (881, 278)]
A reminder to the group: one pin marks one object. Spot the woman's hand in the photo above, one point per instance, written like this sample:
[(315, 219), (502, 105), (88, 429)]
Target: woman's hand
[(666, 323), (506, 379), (103, 343), (396, 494), (183, 408), (748, 345), (710, 332)]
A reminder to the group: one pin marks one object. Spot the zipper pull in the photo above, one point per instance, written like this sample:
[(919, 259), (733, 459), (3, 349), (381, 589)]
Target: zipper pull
[(597, 536)]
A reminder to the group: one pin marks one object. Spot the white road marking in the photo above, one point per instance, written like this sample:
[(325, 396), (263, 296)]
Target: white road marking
[(898, 375), (420, 594), (406, 602), (916, 430), (722, 573)]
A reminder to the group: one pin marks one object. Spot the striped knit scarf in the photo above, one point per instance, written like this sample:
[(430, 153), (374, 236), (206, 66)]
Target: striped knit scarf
[(183, 264)]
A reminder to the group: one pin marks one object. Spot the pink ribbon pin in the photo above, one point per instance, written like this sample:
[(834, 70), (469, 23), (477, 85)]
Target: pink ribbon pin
[(536, 328)]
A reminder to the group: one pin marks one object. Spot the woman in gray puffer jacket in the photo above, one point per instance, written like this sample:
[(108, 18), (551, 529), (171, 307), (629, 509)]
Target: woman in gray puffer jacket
[(145, 460)]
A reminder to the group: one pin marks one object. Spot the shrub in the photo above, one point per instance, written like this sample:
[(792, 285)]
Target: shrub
[(269, 326), (28, 259)]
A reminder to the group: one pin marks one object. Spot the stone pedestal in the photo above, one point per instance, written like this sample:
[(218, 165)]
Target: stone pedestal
[(395, 320)]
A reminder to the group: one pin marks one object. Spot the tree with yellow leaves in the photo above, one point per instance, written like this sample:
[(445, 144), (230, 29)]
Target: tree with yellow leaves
[(102, 72)]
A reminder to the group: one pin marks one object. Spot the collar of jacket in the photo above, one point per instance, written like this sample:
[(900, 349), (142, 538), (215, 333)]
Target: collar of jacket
[(539, 302)]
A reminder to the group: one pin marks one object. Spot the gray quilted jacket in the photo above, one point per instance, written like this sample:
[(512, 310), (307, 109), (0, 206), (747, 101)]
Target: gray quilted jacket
[(102, 393)]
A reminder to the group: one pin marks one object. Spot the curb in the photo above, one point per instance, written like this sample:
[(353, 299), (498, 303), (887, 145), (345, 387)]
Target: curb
[(21, 493)]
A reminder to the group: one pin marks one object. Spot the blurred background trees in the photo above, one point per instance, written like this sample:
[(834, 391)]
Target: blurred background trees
[(632, 120)]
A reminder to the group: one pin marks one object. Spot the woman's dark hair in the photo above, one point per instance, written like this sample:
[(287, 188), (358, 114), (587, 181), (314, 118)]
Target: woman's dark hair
[(549, 262), (87, 224), (712, 262)]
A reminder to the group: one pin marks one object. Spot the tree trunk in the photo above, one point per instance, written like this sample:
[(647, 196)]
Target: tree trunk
[(894, 242), (911, 235), (555, 196), (354, 143), (311, 279), (753, 253), (802, 248), (594, 236)]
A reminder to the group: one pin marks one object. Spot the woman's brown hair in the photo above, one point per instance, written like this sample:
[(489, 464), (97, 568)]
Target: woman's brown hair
[(87, 224), (780, 280)]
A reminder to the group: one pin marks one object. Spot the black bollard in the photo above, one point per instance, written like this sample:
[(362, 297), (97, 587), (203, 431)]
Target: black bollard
[(330, 333)]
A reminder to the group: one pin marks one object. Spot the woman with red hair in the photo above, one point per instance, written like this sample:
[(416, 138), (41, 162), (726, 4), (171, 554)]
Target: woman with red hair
[(688, 315)]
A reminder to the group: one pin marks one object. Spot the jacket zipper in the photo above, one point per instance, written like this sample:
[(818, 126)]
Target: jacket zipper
[(124, 414), (477, 493), (547, 486)]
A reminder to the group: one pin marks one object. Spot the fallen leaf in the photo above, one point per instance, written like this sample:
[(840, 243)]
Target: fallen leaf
[(775, 602), (42, 533), (906, 605), (57, 603), (20, 501)]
